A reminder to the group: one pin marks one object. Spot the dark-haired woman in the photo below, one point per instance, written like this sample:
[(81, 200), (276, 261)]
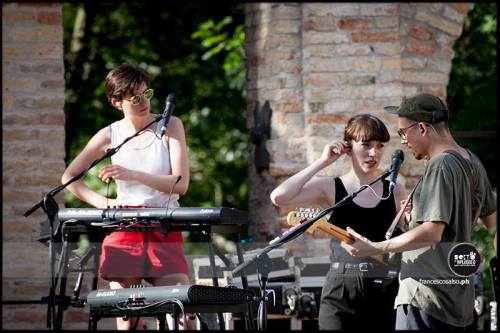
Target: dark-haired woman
[(145, 170), (356, 294)]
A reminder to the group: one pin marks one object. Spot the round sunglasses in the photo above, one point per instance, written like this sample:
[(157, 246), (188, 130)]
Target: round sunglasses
[(148, 93)]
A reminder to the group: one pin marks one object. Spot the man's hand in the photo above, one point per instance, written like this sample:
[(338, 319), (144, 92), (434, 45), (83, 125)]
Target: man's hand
[(362, 246)]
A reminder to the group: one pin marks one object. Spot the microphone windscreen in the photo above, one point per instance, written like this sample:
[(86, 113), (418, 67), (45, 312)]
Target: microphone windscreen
[(171, 98), (398, 153)]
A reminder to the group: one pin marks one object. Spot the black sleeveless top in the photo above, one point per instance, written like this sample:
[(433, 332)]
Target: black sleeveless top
[(370, 222)]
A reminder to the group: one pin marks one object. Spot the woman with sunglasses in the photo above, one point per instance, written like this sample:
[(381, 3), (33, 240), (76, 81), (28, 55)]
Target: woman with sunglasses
[(352, 297), (146, 170)]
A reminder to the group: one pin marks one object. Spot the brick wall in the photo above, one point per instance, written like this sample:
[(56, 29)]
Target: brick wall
[(33, 149), (319, 64)]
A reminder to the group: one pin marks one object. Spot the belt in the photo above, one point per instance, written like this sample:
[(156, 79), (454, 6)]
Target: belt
[(362, 267), (366, 268), (378, 275)]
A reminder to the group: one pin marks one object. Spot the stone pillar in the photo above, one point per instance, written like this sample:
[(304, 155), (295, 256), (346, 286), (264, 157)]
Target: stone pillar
[(33, 150), (318, 64)]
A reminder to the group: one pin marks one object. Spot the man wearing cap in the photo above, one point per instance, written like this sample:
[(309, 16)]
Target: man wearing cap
[(453, 193)]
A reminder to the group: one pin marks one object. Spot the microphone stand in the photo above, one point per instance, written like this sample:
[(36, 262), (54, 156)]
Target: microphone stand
[(263, 262), (50, 207)]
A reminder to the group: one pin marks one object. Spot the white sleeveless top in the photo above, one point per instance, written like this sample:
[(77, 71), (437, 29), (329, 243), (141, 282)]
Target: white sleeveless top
[(150, 156)]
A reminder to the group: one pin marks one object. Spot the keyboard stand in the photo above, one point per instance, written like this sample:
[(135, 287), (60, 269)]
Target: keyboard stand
[(71, 228)]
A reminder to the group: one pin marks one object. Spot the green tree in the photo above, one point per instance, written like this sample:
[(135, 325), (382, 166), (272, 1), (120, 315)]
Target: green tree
[(173, 42), (472, 98), (209, 88), (472, 90)]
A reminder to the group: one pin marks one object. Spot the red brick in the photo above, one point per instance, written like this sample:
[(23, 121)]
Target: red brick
[(422, 48), (53, 84), (437, 21), (287, 107), (462, 7), (13, 119), (12, 196), (37, 180), (52, 118), (434, 90), (447, 53), (19, 17), (286, 67), (353, 24), (12, 165), (7, 101), (420, 4), (420, 33), (38, 4), (11, 225), (41, 68), (10, 134), (349, 50), (18, 85), (14, 53), (363, 37), (256, 60), (47, 51), (326, 118), (375, 9), (31, 316), (42, 102), (320, 23), (49, 18), (77, 316)]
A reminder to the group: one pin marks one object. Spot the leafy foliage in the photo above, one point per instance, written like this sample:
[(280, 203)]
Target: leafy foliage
[(472, 90), (184, 51), (472, 98), (205, 71)]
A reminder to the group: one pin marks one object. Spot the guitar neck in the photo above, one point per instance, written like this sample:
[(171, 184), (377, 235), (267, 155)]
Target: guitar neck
[(338, 233), (334, 231)]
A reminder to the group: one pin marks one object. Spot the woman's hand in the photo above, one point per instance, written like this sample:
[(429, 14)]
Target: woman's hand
[(116, 172), (333, 151), (111, 203)]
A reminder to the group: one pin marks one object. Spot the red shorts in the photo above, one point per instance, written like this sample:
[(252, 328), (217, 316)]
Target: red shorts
[(144, 254)]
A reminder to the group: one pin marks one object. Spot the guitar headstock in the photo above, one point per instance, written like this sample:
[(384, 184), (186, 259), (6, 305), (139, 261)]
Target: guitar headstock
[(301, 215)]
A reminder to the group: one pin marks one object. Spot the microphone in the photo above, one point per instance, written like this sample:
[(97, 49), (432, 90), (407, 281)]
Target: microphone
[(397, 159), (165, 118)]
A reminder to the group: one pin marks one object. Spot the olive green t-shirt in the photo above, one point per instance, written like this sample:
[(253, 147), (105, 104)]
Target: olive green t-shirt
[(444, 195)]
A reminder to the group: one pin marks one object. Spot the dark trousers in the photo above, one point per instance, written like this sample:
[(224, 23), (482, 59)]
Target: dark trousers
[(409, 317), (351, 301)]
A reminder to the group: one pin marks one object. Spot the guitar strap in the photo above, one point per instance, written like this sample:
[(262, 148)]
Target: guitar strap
[(390, 231)]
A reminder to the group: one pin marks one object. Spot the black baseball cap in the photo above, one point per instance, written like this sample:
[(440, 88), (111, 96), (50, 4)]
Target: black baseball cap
[(421, 107)]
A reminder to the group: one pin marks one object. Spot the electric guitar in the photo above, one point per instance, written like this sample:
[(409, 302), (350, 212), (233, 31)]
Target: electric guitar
[(303, 214)]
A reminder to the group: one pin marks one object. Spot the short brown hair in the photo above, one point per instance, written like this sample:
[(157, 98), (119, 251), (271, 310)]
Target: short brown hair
[(365, 127), (124, 80)]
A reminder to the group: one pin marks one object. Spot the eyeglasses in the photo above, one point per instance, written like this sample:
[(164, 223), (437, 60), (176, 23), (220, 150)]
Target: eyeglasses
[(402, 131), (148, 93)]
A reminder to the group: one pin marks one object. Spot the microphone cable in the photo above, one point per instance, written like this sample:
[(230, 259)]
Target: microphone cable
[(110, 179), (163, 227)]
